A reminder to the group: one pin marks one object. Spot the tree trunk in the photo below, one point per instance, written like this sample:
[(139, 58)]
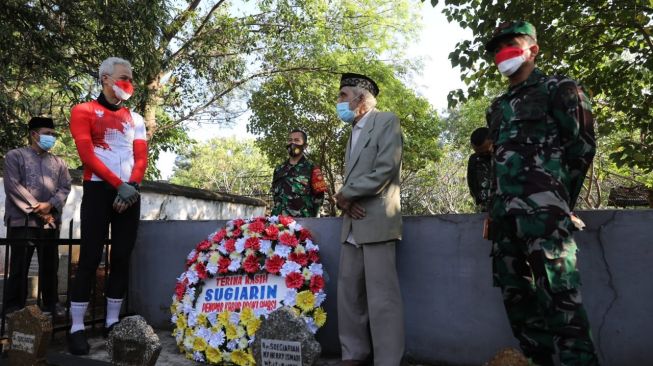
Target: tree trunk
[(151, 105)]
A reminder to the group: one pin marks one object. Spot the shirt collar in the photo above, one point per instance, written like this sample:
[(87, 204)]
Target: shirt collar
[(361, 123), (532, 79)]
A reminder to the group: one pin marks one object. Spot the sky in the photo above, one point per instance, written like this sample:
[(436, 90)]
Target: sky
[(437, 39)]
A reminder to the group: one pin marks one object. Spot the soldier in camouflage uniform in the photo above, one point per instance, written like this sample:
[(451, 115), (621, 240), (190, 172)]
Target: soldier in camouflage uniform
[(543, 140), (298, 186), (479, 166)]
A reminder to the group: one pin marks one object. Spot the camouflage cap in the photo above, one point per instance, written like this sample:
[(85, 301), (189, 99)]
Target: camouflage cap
[(512, 28)]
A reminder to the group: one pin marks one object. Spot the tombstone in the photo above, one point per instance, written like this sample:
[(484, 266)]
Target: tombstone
[(132, 342), (29, 336), (285, 340)]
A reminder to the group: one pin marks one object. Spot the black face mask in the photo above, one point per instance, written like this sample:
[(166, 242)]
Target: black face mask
[(295, 150)]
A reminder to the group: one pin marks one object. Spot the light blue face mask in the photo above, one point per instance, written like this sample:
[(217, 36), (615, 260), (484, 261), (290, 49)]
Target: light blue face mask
[(345, 114), (46, 142)]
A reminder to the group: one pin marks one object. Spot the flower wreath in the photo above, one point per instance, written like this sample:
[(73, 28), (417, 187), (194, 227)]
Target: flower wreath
[(273, 245)]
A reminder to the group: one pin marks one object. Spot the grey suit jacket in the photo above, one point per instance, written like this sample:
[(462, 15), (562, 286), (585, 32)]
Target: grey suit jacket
[(372, 178)]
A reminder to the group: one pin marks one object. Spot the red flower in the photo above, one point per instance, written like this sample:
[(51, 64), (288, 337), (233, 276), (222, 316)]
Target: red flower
[(230, 245), (223, 264), (253, 243), (288, 239), (238, 223), (219, 235), (203, 245), (256, 227), (236, 233), (201, 271), (180, 289), (317, 283), (305, 234), (274, 264), (251, 264), (271, 232), (294, 280), (314, 256), (193, 259), (300, 258), (286, 220)]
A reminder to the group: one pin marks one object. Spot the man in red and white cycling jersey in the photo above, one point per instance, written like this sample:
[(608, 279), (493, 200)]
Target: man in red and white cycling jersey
[(111, 142)]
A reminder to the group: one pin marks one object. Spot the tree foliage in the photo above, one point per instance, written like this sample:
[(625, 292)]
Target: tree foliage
[(225, 165), (374, 29), (607, 45)]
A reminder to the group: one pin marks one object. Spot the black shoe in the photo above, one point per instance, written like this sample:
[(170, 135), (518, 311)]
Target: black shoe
[(106, 330), (77, 343)]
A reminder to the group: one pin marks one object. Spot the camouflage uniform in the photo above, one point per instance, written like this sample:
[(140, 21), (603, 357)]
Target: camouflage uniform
[(479, 179), (298, 189), (542, 130)]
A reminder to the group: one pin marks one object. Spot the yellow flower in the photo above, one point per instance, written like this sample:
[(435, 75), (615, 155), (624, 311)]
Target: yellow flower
[(230, 329), (246, 315), (201, 319), (181, 321), (173, 307), (199, 344), (213, 355), (299, 249), (242, 358), (252, 326), (216, 328), (223, 318), (305, 300), (214, 258), (320, 317), (240, 332)]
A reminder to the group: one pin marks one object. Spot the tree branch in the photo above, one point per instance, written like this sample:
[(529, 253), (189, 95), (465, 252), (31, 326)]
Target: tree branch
[(177, 24)]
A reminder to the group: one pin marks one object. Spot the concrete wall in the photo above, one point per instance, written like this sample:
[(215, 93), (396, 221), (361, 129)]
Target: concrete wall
[(157, 204), (453, 314)]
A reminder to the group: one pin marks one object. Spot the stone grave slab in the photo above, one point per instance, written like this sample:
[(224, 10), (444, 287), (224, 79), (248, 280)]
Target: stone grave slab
[(29, 335), (132, 342)]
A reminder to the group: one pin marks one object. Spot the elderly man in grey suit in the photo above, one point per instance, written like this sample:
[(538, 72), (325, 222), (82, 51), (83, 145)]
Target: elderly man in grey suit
[(370, 310)]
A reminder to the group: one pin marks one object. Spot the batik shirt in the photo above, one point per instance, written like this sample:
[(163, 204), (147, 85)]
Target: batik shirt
[(544, 142), (298, 189), (30, 178)]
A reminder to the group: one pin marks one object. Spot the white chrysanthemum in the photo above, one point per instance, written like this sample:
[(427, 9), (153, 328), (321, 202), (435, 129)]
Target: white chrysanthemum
[(203, 332), (212, 268), (198, 356), (191, 255), (179, 337), (311, 246), (291, 296), (192, 318), (316, 269), (174, 318), (234, 265), (298, 226), (217, 339), (232, 345), (234, 318), (266, 245), (222, 248), (273, 219), (202, 257), (212, 318), (282, 251), (290, 267), (319, 298), (261, 312), (240, 245), (191, 276), (311, 324), (190, 291)]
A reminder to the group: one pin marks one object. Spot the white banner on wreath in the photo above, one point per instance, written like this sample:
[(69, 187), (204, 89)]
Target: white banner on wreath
[(231, 293)]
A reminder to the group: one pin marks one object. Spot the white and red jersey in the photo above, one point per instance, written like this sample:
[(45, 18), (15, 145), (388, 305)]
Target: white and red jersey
[(111, 143)]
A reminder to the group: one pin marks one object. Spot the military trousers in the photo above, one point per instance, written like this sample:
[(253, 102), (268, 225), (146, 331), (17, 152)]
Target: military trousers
[(534, 264)]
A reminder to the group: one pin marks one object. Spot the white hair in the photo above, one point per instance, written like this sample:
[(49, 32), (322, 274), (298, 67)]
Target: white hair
[(107, 66), (368, 101)]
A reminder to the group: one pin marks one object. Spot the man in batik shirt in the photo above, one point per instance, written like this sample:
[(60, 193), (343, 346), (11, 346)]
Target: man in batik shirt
[(543, 136), (298, 186)]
